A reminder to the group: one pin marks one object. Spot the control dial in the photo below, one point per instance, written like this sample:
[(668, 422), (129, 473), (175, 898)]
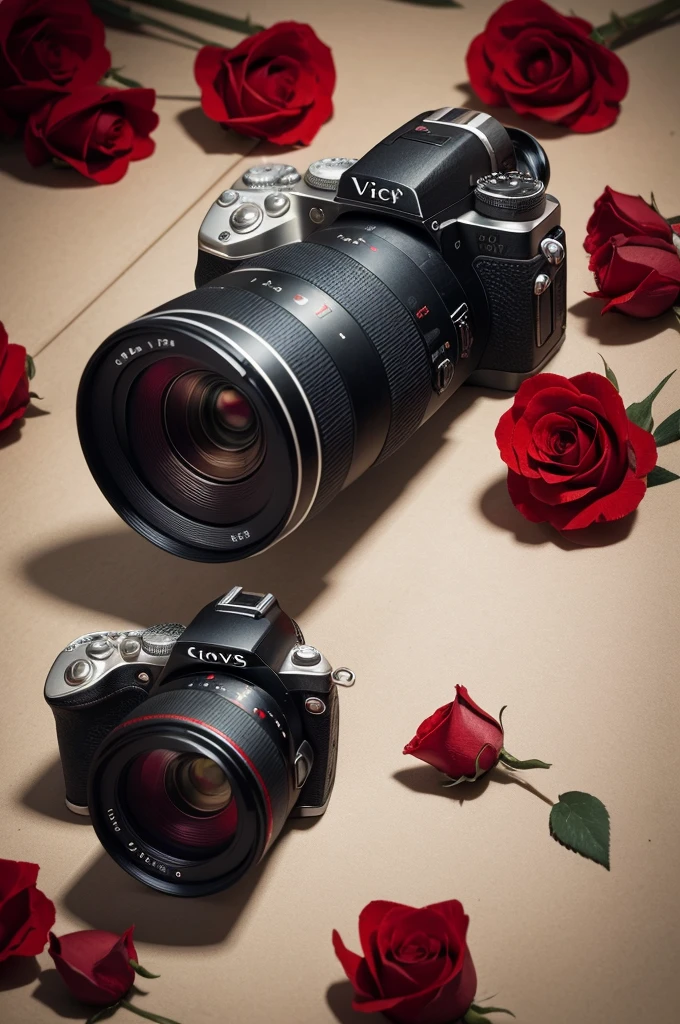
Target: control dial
[(514, 195), (326, 173), (271, 175), (160, 640)]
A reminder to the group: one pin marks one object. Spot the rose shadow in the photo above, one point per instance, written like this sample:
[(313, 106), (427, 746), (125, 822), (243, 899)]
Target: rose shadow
[(424, 779), (53, 993), (14, 164), (496, 506), (339, 997), (617, 328), (18, 971), (211, 137)]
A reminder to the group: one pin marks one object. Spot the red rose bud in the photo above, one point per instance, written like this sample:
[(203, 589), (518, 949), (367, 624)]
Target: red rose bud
[(460, 739), (47, 47), (539, 62), (573, 456), (14, 397), (640, 276), (95, 965), (98, 131), (617, 213), (416, 967), (274, 85), (26, 914)]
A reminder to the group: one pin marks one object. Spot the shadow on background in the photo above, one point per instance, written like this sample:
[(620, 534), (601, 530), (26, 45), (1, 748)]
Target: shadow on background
[(45, 795), (496, 506), (125, 576), (425, 779), (339, 998), (14, 164), (18, 971), (52, 992), (617, 328)]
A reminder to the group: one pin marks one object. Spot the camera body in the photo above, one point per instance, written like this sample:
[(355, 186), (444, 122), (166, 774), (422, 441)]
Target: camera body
[(474, 189), (242, 649)]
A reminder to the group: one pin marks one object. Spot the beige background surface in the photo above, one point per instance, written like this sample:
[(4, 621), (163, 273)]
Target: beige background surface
[(419, 576)]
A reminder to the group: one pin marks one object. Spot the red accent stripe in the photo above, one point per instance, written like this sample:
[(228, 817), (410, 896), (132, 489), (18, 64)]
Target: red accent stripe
[(230, 742)]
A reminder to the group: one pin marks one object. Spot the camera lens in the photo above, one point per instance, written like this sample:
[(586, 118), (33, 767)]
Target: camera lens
[(191, 789), (217, 424)]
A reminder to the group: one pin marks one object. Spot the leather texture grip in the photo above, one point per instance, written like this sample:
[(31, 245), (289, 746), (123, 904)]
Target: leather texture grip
[(509, 286), (82, 726), (322, 733)]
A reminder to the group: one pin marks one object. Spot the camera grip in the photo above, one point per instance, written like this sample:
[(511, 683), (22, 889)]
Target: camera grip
[(322, 733), (509, 287), (80, 730)]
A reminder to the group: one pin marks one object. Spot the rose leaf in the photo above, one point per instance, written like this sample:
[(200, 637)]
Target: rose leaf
[(142, 971), (30, 367), (478, 1013), (581, 822), (659, 475), (669, 430), (514, 762), (654, 206), (641, 412), (107, 1011), (609, 373)]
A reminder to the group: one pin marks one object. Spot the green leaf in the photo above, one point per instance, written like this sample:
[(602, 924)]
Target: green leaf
[(190, 10), (513, 762), (146, 1013), (609, 373), (115, 75), (470, 778), (641, 412), (30, 367), (581, 822), (108, 1011), (476, 1014), (142, 971), (500, 716), (484, 1010), (669, 430), (434, 3), (654, 206), (659, 475)]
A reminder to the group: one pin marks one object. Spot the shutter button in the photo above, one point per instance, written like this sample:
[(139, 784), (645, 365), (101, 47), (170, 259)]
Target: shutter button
[(306, 655), (100, 649), (78, 672)]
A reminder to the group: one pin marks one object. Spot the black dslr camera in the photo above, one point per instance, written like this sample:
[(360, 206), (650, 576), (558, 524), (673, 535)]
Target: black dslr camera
[(190, 747), (334, 314)]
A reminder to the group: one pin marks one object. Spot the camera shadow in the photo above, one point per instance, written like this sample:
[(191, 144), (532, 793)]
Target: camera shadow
[(129, 578), (45, 795)]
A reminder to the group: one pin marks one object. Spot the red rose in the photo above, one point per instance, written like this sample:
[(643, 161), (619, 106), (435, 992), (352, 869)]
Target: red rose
[(539, 62), (275, 85), (416, 967), (47, 47), (26, 914), (98, 131), (14, 394), (639, 275), (617, 213), (574, 457), (95, 965), (459, 739)]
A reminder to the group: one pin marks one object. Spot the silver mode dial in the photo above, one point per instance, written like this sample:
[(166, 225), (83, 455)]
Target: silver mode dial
[(270, 175), (160, 640), (326, 173)]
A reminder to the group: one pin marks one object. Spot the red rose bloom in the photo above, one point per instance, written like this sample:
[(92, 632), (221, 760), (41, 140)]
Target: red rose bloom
[(98, 131), (573, 456), (14, 393), (275, 85), (46, 47), (640, 276), (95, 965), (26, 914), (539, 62), (460, 739), (416, 967), (617, 213)]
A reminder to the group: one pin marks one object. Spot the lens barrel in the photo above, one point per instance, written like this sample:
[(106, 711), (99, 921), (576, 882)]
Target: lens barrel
[(191, 789), (218, 423)]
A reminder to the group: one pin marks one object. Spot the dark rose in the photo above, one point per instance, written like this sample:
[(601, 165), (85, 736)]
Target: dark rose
[(14, 396), (617, 213), (275, 85), (573, 456), (95, 965), (416, 967), (460, 739), (640, 276), (26, 914), (98, 131), (46, 47), (539, 62)]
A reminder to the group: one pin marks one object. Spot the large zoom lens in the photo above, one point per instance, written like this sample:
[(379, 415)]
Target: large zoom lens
[(216, 424), (191, 789)]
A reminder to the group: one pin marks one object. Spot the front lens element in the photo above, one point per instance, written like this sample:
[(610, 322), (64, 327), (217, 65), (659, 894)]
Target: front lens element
[(202, 784), (212, 426)]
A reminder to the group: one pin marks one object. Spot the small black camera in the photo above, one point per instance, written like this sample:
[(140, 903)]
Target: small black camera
[(189, 748), (335, 313)]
